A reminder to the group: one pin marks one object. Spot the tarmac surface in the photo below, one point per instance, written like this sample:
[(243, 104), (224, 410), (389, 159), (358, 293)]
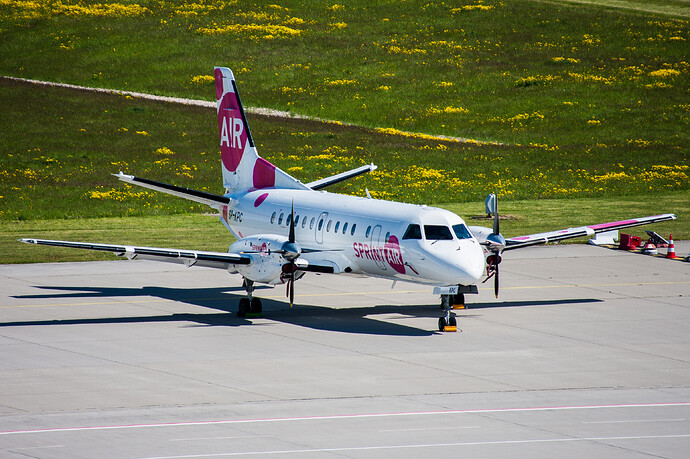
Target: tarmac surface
[(585, 354)]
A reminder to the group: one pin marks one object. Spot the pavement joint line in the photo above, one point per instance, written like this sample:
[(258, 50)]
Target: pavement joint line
[(348, 417), (165, 300)]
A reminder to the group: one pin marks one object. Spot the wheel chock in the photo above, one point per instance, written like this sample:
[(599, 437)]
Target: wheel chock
[(450, 328), (458, 306)]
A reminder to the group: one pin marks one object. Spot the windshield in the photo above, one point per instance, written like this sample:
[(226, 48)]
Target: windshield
[(437, 232), (462, 232)]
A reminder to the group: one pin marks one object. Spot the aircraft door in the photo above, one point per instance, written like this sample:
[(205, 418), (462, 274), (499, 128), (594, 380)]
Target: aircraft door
[(320, 227), (375, 242)]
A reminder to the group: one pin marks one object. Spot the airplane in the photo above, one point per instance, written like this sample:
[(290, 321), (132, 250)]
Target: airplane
[(285, 228)]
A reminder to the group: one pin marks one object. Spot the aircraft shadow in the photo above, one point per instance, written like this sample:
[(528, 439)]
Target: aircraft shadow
[(350, 320), (515, 304), (356, 320)]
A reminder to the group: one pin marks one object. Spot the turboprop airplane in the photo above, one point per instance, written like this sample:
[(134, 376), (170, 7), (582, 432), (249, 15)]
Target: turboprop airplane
[(285, 228)]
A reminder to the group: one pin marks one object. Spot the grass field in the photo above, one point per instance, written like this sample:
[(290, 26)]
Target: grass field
[(580, 111)]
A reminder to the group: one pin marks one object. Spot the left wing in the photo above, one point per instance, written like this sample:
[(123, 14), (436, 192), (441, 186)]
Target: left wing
[(560, 235), (220, 260)]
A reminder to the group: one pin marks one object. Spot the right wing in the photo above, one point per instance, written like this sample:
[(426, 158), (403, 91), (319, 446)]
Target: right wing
[(221, 260)]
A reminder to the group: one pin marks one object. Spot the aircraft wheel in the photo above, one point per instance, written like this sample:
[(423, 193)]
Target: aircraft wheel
[(447, 325), (243, 308), (256, 306)]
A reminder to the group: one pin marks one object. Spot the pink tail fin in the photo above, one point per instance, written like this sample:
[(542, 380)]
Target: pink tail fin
[(243, 168)]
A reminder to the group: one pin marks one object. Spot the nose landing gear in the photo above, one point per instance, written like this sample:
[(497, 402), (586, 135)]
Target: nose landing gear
[(447, 323), (452, 297)]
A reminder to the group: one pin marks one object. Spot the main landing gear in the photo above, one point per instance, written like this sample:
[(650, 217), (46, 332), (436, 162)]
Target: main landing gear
[(249, 306)]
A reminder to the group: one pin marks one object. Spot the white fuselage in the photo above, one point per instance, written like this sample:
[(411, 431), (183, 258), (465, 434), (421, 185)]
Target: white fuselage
[(364, 236)]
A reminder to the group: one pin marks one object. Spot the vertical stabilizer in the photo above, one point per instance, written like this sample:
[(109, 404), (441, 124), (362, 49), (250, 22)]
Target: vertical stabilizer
[(243, 168)]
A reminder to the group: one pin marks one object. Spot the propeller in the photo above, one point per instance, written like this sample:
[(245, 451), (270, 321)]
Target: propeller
[(496, 243), (291, 251)]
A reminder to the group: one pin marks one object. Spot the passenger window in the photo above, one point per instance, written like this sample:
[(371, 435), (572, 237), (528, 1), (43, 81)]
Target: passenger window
[(437, 232), (413, 232), (296, 219), (280, 219), (337, 225), (304, 222), (328, 227), (311, 223), (320, 224), (366, 235), (288, 220), (462, 232), (354, 227), (273, 218), (345, 228), (388, 236)]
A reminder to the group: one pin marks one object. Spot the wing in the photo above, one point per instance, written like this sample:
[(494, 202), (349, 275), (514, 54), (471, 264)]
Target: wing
[(220, 260), (560, 235)]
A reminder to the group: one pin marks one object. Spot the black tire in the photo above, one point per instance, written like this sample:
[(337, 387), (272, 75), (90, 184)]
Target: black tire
[(459, 299), (256, 306), (453, 322), (442, 324), (243, 308)]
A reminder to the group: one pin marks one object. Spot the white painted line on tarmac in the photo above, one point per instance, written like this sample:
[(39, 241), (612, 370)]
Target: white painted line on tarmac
[(425, 445), (343, 417), (633, 420)]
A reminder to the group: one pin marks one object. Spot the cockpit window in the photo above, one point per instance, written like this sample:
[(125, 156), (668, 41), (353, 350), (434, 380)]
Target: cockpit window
[(413, 232), (462, 232), (437, 232)]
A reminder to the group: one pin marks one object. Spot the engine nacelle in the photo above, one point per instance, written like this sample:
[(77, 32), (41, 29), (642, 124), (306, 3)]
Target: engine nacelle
[(267, 252)]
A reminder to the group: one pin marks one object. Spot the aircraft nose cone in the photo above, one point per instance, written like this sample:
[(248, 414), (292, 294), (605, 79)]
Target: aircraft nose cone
[(469, 263)]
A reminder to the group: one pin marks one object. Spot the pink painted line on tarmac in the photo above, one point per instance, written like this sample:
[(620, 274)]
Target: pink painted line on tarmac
[(341, 416)]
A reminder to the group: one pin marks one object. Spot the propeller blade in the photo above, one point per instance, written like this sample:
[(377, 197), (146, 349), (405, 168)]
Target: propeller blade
[(496, 282), (292, 282), (291, 236)]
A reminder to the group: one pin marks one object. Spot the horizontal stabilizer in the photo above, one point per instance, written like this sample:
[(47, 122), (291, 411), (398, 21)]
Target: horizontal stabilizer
[(328, 181), (220, 260), (209, 199)]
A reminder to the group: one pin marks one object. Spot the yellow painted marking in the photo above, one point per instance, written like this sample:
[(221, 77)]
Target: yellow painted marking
[(164, 300)]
